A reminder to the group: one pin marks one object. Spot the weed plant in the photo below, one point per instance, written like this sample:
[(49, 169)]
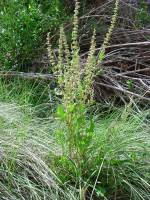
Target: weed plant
[(99, 162)]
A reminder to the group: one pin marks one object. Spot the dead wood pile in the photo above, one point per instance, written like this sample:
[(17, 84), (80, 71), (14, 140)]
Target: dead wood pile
[(125, 72)]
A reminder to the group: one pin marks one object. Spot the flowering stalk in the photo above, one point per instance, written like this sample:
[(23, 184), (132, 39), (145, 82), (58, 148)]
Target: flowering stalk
[(50, 52), (109, 33)]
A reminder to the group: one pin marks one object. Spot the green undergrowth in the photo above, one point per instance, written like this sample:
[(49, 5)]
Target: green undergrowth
[(28, 93), (35, 162), (33, 165), (23, 28)]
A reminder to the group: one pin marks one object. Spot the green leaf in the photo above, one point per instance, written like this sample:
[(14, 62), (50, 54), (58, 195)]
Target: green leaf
[(61, 112), (80, 120), (91, 127), (29, 6), (133, 156), (99, 72), (100, 191), (71, 108), (129, 84), (101, 55)]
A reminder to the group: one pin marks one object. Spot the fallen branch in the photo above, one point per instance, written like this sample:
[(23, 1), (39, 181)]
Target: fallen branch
[(24, 75), (134, 44), (123, 90)]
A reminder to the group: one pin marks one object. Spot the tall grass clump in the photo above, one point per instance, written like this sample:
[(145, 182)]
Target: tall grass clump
[(33, 94), (25, 145), (26, 141)]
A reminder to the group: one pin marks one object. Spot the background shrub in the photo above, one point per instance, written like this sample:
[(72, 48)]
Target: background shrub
[(143, 15), (23, 25)]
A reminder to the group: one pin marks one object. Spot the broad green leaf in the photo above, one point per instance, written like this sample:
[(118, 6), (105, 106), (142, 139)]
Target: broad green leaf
[(61, 112)]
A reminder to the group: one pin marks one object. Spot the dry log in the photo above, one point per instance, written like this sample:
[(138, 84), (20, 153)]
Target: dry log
[(30, 75)]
